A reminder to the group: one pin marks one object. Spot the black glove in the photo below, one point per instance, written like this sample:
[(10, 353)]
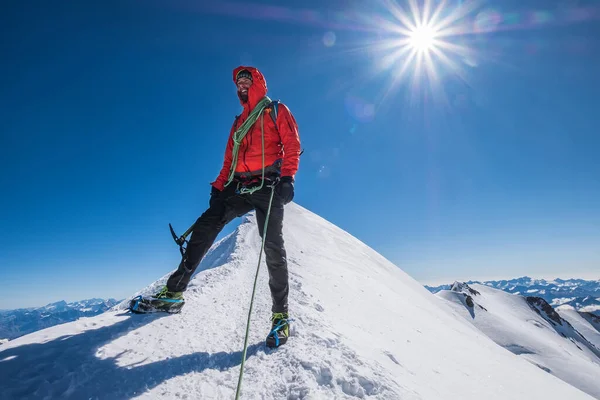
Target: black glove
[(215, 196), (285, 189)]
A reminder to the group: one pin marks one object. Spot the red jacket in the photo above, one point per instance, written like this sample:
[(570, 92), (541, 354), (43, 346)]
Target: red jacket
[(281, 141)]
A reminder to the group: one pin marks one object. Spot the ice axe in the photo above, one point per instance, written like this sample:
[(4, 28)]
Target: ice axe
[(181, 240)]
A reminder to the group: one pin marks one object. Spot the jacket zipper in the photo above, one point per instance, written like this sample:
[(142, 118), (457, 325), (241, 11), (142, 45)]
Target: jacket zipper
[(246, 148)]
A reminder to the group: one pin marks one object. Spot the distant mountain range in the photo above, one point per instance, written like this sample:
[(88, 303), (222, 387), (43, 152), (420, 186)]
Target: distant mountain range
[(15, 323), (583, 295)]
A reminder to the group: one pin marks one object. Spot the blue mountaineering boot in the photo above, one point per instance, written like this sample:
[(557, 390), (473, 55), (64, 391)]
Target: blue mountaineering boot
[(163, 301), (280, 330)]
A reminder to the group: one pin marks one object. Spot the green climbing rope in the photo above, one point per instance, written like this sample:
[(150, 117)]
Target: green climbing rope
[(238, 136), (262, 247), (241, 132)]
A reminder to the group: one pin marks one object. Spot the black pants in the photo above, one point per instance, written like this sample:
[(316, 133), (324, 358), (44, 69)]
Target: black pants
[(223, 209)]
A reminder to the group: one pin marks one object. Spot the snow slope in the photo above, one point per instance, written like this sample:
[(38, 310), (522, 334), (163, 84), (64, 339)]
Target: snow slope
[(530, 328), (586, 324), (362, 329)]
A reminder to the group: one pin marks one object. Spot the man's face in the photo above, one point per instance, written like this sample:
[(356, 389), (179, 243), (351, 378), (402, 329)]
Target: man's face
[(243, 84)]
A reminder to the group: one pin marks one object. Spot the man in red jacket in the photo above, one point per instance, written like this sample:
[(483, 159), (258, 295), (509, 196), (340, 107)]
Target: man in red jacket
[(252, 169)]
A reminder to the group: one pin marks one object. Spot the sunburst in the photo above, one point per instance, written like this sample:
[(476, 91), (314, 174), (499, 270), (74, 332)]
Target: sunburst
[(420, 42)]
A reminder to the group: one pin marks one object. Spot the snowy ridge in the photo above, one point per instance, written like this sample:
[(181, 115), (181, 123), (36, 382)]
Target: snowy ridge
[(531, 328), (583, 295), (593, 319), (586, 324), (362, 329), (223, 253)]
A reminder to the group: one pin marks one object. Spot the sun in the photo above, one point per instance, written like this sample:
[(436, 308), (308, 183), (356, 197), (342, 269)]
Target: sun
[(421, 45), (423, 38)]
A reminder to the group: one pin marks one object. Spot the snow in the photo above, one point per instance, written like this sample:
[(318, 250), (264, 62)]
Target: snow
[(592, 308), (362, 329), (512, 323), (581, 323), (562, 300)]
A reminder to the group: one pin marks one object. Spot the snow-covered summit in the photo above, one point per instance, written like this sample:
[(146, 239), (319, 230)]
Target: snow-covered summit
[(362, 329), (464, 288)]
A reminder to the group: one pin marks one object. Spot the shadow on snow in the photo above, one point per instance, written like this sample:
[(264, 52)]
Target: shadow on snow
[(67, 367)]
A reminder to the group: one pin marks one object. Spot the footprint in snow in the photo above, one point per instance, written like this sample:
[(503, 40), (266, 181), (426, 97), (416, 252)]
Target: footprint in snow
[(358, 386), (391, 356)]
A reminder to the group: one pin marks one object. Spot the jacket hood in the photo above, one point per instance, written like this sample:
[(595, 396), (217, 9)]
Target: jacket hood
[(257, 91)]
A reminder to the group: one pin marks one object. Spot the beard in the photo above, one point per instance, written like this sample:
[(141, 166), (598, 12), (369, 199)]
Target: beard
[(243, 96)]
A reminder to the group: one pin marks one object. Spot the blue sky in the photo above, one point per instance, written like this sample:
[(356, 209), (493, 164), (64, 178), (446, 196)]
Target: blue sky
[(114, 117)]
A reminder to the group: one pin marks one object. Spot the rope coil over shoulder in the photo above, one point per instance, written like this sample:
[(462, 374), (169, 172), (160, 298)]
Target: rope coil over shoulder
[(240, 134)]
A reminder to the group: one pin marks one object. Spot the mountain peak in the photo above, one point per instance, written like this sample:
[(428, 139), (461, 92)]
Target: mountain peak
[(58, 304), (582, 294), (361, 328), (464, 288), (540, 306)]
